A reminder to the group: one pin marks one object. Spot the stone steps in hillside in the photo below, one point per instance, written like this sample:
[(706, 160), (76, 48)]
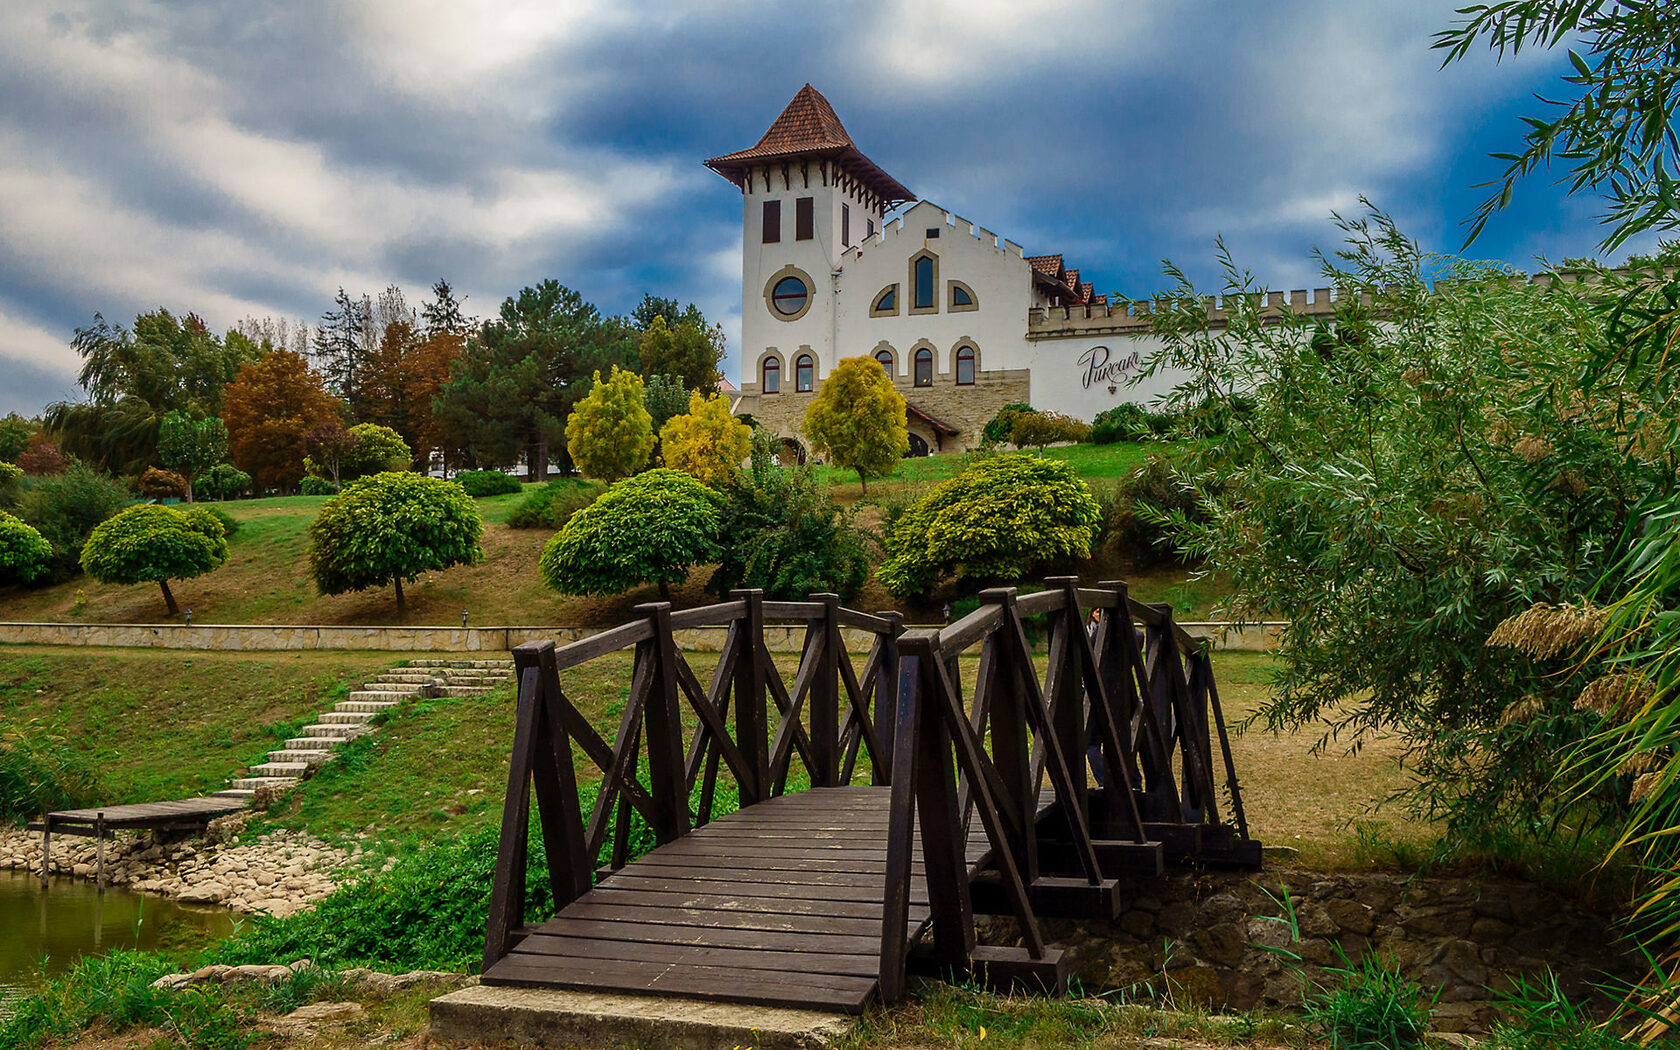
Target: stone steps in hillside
[(313, 743), (457, 691), (368, 707), (251, 783), (346, 718), (294, 770), (342, 731), (497, 665), (298, 754), (389, 696)]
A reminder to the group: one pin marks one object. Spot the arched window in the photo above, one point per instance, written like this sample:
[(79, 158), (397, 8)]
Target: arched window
[(924, 367), (772, 383), (962, 297), (924, 283), (965, 366), (804, 373), (885, 357), (886, 302)]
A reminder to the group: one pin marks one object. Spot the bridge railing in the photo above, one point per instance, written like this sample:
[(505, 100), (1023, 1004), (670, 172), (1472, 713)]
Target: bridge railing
[(1125, 691), (1101, 765), (750, 724)]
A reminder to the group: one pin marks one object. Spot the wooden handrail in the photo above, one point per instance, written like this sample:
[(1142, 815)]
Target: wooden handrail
[(1127, 691)]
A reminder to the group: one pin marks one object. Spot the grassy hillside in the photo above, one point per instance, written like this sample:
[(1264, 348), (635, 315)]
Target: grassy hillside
[(159, 724), (266, 578)]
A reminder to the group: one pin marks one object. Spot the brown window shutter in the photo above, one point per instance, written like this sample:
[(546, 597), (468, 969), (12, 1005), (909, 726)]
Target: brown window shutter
[(804, 219), (772, 222)]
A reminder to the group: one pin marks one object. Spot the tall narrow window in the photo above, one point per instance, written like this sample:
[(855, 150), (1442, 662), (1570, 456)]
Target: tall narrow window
[(924, 283), (772, 221), (870, 226), (845, 225), (804, 373), (772, 376), (924, 367), (804, 219), (885, 357), (965, 366)]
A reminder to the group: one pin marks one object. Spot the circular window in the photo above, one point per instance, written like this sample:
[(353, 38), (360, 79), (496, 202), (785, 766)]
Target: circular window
[(789, 296)]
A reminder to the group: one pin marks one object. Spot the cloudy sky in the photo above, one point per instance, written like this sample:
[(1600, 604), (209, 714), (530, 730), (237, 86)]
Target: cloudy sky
[(240, 159)]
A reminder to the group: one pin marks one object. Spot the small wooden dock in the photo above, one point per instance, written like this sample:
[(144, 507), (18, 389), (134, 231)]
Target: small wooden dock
[(185, 814)]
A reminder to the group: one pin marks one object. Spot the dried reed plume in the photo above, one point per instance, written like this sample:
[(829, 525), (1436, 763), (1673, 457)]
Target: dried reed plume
[(1640, 762), (1525, 710), (1532, 448), (1615, 696), (1543, 631), (1642, 787)]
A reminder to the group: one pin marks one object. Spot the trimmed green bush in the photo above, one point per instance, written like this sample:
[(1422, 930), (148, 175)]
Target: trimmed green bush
[(1037, 429), (222, 481), (1145, 517), (310, 485), (1123, 422), (550, 506), (390, 528), (65, 507), (487, 482), (161, 484), (779, 531), (998, 428), (155, 544), (651, 528), (996, 521), (24, 555)]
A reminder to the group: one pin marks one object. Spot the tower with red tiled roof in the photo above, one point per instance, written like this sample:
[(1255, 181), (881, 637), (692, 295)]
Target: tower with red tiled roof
[(808, 194)]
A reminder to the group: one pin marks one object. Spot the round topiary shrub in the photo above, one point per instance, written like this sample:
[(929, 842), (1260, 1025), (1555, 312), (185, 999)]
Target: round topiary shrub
[(650, 528), (162, 484), (310, 485), (24, 556), (155, 544), (996, 521), (487, 482), (389, 528)]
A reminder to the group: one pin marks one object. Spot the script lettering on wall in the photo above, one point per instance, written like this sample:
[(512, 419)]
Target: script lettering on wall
[(1098, 368)]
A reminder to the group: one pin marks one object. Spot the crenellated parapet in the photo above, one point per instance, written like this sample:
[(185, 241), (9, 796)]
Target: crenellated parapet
[(915, 223), (1136, 317)]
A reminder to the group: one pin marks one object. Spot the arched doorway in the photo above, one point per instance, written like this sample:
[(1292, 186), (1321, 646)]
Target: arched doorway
[(918, 446)]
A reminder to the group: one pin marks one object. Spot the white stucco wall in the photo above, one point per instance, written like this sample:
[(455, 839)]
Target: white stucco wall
[(994, 270)]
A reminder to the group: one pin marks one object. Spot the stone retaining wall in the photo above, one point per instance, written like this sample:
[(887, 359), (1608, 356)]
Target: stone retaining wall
[(263, 637), (1207, 938)]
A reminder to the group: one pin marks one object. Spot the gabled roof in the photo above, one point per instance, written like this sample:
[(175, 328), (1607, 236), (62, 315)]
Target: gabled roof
[(938, 425), (810, 129)]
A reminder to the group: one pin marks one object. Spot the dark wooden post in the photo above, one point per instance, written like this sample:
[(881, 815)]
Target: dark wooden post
[(507, 890), (667, 779), (907, 702), (824, 701), (1067, 702), (46, 847), (752, 732), (1011, 743), (99, 850), (1225, 746), (944, 843), (886, 701), (570, 869)]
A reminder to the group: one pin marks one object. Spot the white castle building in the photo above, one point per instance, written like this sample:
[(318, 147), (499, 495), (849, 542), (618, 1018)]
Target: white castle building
[(964, 320)]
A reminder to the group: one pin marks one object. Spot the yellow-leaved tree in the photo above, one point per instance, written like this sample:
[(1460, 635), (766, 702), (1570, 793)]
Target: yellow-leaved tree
[(609, 432), (857, 420), (708, 443)]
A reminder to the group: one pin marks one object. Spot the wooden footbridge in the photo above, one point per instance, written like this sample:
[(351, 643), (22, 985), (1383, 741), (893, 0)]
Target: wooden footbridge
[(1036, 795)]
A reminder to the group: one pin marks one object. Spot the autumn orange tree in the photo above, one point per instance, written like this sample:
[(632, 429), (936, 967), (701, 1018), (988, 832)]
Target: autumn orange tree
[(269, 407)]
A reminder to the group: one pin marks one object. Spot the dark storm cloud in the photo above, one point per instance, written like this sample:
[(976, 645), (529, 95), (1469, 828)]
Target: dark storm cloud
[(240, 159)]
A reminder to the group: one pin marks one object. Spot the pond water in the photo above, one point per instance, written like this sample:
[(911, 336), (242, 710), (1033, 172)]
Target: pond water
[(47, 930)]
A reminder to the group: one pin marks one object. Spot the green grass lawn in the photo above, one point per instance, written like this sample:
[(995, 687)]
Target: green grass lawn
[(1094, 463), (155, 724)]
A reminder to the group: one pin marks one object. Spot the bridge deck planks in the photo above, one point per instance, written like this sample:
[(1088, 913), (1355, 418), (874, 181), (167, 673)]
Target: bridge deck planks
[(779, 905)]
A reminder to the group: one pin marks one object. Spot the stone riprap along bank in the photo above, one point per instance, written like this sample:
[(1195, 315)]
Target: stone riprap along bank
[(277, 874)]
